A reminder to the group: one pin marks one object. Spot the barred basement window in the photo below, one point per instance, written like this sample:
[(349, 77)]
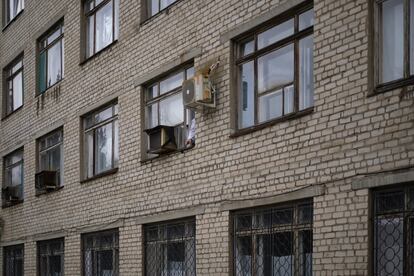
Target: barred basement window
[(13, 260), (51, 257), (170, 248), (394, 231), (274, 240), (51, 58), (13, 89), (100, 253), (12, 8), (275, 65), (12, 191)]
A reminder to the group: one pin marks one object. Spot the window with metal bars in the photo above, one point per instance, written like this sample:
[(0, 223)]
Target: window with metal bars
[(100, 252), (274, 241), (170, 248), (51, 58), (13, 86), (393, 229), (50, 260), (101, 144), (13, 257), (275, 68), (102, 24)]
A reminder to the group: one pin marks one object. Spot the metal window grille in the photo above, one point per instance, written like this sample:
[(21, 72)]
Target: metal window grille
[(100, 253), (394, 232), (274, 241), (170, 249), (13, 260), (50, 257)]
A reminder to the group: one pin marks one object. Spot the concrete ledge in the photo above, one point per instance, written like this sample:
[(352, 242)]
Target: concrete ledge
[(307, 192), (11, 243), (169, 66), (259, 20), (58, 16), (171, 215), (49, 236), (101, 227), (383, 179), (48, 129), (18, 145), (98, 104)]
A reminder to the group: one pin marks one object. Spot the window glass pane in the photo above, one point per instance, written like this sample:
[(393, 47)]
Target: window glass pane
[(54, 64), (9, 98), (306, 19), (89, 5), (90, 36), (276, 69), (14, 7), (244, 256), (263, 259), (116, 143), (172, 110), (89, 153), (55, 158), (105, 263), (55, 265), (54, 138), (63, 58), (412, 42), (289, 99), (42, 72), (153, 7), (53, 36), (16, 67), (171, 83), (152, 92), (390, 201), (43, 162), (104, 148), (275, 34), (246, 95), (306, 98), (18, 91), (271, 106), (282, 256), (16, 175), (190, 73), (104, 115), (392, 40), (166, 3), (243, 222), (152, 116), (305, 252), (104, 27), (247, 48)]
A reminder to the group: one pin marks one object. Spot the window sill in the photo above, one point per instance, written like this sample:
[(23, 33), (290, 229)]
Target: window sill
[(255, 128), (9, 205), (107, 173), (53, 87), (86, 60), (166, 10), (146, 160), (11, 21), (11, 113), (389, 86), (44, 192)]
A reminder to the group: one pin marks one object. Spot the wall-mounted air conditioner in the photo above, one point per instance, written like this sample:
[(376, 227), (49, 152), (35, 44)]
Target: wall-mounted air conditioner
[(162, 139), (11, 193), (46, 180)]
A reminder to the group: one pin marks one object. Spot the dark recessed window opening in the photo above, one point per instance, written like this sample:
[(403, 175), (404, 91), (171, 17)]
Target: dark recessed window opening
[(12, 191), (51, 257), (13, 260)]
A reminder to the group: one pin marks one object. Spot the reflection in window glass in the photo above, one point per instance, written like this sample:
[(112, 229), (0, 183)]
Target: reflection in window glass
[(172, 110), (306, 19), (13, 8), (270, 106), (13, 95), (104, 29), (246, 95), (171, 83), (306, 73), (104, 137), (275, 34), (155, 6), (247, 48)]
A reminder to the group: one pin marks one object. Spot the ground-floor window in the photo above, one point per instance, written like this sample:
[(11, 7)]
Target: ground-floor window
[(274, 241), (51, 257), (394, 231), (13, 260)]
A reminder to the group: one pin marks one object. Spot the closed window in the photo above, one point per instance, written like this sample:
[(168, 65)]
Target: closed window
[(155, 6), (101, 134), (102, 24), (100, 253), (51, 53), (170, 248), (50, 257), (394, 231), (13, 90), (394, 42), (50, 160), (13, 260), (275, 70), (274, 241), (13, 178), (11, 9)]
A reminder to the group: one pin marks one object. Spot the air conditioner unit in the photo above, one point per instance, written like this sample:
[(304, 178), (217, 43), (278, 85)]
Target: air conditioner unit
[(198, 93), (11, 194), (162, 139), (47, 180)]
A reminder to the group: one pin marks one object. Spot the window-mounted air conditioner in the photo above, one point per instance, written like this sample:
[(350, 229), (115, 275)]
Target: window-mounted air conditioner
[(11, 193), (47, 180), (162, 139), (198, 92)]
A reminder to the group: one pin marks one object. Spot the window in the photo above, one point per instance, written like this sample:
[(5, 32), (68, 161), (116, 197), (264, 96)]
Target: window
[(164, 105), (100, 253), (51, 55), (12, 8), (50, 158), (101, 134), (394, 57), (50, 257), (274, 240), (155, 6), (13, 260), (170, 248), (13, 90), (275, 66), (13, 178), (102, 28), (394, 231)]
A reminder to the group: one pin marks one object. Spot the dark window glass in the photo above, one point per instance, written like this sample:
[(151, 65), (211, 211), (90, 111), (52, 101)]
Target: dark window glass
[(101, 144), (13, 260), (51, 58), (11, 9), (50, 150), (101, 253), (13, 89), (276, 76), (51, 257), (170, 248), (13, 178), (155, 6), (279, 243)]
